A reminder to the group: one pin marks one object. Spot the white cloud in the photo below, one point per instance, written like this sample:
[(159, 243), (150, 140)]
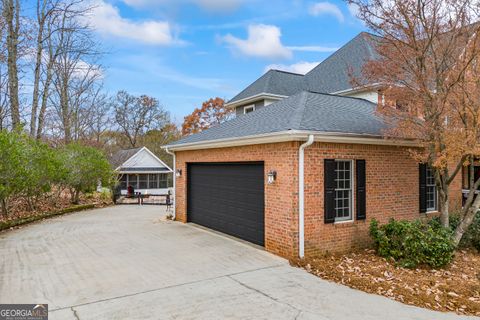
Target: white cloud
[(353, 9), (326, 8), (312, 48), (84, 69), (106, 19), (209, 5), (262, 41), (299, 67)]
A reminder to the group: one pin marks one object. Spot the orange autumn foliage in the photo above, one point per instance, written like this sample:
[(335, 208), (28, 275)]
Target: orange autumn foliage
[(211, 113)]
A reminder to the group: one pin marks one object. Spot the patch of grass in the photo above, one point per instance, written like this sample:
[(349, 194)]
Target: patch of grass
[(21, 221)]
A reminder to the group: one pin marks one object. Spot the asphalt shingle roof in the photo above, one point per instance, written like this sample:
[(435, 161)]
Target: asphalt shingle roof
[(333, 74), (119, 157), (273, 82), (303, 111)]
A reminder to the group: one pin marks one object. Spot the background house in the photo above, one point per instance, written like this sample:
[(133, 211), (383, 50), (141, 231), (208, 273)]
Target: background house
[(142, 170)]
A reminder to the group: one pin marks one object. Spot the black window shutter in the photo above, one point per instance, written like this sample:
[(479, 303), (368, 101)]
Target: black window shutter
[(422, 174), (329, 192), (361, 199)]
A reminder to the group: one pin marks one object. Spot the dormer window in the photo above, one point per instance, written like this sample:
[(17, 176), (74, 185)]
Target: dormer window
[(248, 109)]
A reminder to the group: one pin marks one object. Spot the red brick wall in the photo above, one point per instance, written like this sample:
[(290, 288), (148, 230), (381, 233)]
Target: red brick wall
[(392, 191), (279, 197)]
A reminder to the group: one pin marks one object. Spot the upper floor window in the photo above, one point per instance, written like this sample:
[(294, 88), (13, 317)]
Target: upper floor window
[(248, 109)]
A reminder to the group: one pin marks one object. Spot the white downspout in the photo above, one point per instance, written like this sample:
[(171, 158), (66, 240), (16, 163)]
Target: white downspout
[(301, 197), (174, 182)]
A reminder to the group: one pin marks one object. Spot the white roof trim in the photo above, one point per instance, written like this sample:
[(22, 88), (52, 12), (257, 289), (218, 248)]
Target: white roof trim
[(292, 135), (370, 87), (151, 153), (255, 98)]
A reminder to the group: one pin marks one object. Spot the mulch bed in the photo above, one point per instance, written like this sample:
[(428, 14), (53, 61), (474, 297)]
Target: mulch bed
[(455, 288)]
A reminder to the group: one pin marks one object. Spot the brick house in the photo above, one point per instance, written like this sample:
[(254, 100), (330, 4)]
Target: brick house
[(304, 165)]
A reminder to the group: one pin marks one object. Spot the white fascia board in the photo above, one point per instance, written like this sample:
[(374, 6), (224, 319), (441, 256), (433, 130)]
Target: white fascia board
[(373, 86), (158, 159), (149, 152), (293, 135), (256, 97)]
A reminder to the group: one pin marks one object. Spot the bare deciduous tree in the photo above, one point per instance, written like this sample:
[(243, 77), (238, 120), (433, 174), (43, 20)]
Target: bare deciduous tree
[(136, 115), (76, 72), (11, 15)]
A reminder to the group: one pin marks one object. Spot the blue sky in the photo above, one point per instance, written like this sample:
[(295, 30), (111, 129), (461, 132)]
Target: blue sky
[(185, 51)]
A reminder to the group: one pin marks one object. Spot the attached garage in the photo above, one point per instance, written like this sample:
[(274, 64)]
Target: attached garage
[(228, 197)]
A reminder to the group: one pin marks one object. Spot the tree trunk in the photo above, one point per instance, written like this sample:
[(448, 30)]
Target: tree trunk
[(466, 220), (31, 205), (64, 105), (444, 207), (75, 196), (4, 206), (38, 64), (43, 107), (11, 14)]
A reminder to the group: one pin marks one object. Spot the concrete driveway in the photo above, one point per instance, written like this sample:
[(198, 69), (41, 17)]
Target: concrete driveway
[(126, 262)]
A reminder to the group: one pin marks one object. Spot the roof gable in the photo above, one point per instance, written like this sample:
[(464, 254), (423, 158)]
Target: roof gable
[(274, 82), (139, 158)]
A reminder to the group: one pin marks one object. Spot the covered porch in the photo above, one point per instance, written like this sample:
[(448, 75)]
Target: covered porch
[(145, 181)]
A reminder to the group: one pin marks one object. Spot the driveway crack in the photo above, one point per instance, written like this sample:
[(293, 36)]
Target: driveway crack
[(299, 311), (166, 287), (75, 314)]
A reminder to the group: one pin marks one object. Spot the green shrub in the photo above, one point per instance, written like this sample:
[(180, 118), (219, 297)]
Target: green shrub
[(413, 243), (471, 238), (84, 168)]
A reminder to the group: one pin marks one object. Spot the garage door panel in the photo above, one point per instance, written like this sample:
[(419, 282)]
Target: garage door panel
[(228, 198)]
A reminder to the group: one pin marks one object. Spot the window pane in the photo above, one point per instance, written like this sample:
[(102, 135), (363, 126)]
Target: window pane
[(163, 180), (143, 181), (153, 182), (431, 191), (132, 180), (343, 192)]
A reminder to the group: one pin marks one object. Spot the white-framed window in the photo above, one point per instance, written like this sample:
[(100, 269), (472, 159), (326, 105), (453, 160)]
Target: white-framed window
[(248, 109), (343, 190), (431, 190)]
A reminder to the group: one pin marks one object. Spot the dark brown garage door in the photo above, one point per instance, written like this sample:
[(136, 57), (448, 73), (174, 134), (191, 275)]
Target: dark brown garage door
[(228, 197)]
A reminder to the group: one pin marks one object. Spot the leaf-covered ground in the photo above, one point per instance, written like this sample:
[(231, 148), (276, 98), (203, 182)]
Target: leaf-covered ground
[(19, 208), (455, 288)]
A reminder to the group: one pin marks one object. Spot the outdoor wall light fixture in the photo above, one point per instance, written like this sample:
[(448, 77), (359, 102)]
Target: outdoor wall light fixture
[(271, 176), (178, 173)]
